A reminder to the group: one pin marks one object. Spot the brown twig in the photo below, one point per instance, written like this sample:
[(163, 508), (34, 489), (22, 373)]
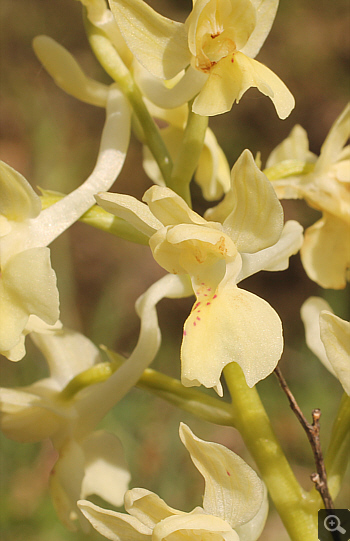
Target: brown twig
[(313, 434)]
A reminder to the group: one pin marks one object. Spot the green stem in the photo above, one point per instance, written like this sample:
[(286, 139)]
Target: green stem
[(115, 67), (188, 155), (338, 453), (188, 399), (297, 509)]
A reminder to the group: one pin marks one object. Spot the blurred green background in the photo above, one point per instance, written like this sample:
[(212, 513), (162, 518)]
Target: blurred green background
[(52, 139)]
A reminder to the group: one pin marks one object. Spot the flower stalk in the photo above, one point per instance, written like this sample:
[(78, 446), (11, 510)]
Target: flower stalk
[(296, 508)]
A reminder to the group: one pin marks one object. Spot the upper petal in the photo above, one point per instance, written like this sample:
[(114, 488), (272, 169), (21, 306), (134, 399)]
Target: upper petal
[(335, 335), (325, 253), (18, 201), (169, 208), (148, 507), (310, 315), (233, 491), (334, 142), (265, 11), (115, 526), (67, 353), (250, 212), (158, 43), (131, 210)]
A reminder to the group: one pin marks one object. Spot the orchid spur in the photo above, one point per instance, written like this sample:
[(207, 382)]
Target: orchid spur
[(247, 235), (234, 508), (27, 282), (216, 46)]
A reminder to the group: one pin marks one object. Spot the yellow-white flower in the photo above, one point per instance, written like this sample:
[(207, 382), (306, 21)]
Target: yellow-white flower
[(234, 508), (88, 462), (216, 45), (246, 235), (325, 253), (28, 292), (328, 337)]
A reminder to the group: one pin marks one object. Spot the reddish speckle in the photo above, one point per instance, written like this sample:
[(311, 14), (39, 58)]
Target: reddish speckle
[(214, 296), (198, 318), (208, 303), (205, 295), (184, 333), (202, 284), (228, 473), (194, 323), (209, 289), (196, 305), (232, 60)]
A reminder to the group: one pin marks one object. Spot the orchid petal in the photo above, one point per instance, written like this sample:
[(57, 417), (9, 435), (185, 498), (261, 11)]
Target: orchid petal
[(114, 526), (158, 93), (213, 172), (65, 485), (325, 253), (335, 335), (27, 286), (106, 472), (194, 525), (295, 146), (276, 257), (251, 531), (158, 43), (131, 210), (169, 208), (310, 315), (250, 212), (27, 417), (67, 73), (67, 353), (334, 142), (244, 329), (198, 251), (233, 491), (265, 15), (232, 77), (147, 507), (18, 200)]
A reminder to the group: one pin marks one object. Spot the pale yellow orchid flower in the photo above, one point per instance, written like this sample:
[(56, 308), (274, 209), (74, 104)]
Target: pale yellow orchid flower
[(28, 292), (325, 253), (234, 508), (328, 337), (67, 406), (226, 323), (216, 45)]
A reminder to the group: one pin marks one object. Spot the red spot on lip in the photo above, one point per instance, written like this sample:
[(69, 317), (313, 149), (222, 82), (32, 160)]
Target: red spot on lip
[(208, 303), (196, 305), (184, 333), (214, 296), (198, 318), (194, 323), (228, 473)]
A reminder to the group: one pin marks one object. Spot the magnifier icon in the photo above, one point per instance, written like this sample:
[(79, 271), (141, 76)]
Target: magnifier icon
[(332, 524)]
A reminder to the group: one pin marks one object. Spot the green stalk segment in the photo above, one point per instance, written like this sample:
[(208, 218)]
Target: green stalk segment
[(296, 508)]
